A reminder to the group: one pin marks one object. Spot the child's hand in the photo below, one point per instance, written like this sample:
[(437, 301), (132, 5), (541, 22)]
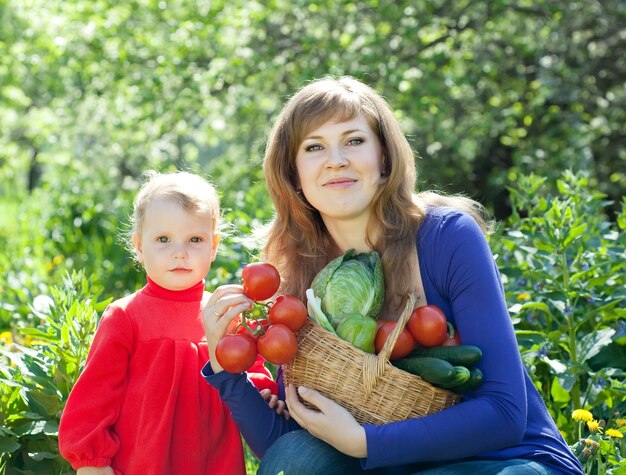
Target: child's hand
[(226, 302), (95, 471), (274, 402)]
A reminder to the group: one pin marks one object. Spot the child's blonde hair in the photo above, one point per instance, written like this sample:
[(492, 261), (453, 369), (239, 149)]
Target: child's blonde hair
[(191, 191)]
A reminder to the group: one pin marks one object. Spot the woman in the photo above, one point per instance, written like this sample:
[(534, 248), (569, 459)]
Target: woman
[(341, 175)]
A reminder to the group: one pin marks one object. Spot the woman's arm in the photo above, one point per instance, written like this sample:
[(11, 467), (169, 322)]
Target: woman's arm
[(456, 258), (259, 424)]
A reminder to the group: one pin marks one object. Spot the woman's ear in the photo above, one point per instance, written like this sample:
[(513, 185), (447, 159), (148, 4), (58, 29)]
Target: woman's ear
[(216, 242), (137, 247)]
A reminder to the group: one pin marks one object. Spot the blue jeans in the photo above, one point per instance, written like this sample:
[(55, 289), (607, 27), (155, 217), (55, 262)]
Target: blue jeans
[(299, 453)]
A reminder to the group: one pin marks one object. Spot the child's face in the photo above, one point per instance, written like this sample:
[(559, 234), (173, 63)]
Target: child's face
[(176, 247)]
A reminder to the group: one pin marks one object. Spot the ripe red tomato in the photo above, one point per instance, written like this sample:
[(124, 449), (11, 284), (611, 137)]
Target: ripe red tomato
[(428, 325), (404, 344), (278, 345), (289, 311), (260, 280), (256, 327), (236, 353), (452, 337)]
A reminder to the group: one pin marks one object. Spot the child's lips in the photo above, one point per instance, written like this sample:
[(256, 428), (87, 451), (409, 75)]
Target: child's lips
[(182, 270)]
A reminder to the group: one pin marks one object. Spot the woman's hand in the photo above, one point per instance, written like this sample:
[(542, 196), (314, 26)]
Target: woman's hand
[(332, 423), (226, 302), (275, 403)]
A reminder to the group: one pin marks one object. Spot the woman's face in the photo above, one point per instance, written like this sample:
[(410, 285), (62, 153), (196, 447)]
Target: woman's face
[(339, 167)]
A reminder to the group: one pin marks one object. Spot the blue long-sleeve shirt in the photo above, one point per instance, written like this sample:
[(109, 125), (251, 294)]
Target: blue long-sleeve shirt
[(503, 418)]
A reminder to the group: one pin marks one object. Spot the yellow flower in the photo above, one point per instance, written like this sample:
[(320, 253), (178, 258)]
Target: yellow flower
[(615, 433), (594, 426), (592, 444), (523, 296), (6, 337), (620, 422), (582, 415)]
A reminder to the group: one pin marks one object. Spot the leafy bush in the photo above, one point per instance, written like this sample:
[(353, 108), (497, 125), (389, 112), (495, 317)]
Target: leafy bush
[(563, 261), (38, 376)]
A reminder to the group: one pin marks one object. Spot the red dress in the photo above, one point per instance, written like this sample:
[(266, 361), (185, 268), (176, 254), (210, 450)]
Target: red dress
[(141, 404)]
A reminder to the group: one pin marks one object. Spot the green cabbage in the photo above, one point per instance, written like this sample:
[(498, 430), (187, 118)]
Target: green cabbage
[(359, 331), (351, 283)]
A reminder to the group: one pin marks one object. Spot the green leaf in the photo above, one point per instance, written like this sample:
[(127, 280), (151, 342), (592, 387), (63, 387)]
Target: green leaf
[(556, 365), (39, 456), (590, 345), (536, 305), (575, 233), (566, 381), (527, 338), (557, 392), (8, 444)]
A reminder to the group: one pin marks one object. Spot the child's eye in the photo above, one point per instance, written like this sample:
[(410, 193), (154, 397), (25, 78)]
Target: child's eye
[(196, 239), (355, 141), (162, 239)]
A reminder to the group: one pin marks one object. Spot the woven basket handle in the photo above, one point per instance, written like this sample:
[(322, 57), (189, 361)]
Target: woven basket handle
[(387, 348), (374, 365)]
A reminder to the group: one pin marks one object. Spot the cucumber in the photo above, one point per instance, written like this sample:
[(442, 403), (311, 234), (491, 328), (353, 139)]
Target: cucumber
[(475, 380), (461, 376), (456, 355), (433, 370)]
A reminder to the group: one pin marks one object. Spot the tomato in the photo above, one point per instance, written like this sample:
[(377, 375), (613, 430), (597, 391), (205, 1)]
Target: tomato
[(260, 281), (428, 325), (236, 353), (452, 337), (289, 311), (278, 345), (232, 326), (404, 344), (255, 327)]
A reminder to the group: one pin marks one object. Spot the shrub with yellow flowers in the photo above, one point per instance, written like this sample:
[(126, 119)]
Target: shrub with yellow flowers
[(599, 450)]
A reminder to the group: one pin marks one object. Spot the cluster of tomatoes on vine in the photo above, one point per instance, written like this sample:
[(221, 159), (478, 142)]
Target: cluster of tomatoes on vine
[(268, 329)]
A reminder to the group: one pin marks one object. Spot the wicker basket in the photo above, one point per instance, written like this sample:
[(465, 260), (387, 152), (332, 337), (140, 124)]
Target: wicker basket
[(368, 386)]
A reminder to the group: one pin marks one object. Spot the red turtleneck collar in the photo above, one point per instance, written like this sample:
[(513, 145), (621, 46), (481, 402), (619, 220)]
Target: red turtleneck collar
[(192, 294)]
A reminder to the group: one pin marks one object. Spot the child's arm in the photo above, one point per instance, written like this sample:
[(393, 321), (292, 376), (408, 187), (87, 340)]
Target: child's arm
[(85, 435)]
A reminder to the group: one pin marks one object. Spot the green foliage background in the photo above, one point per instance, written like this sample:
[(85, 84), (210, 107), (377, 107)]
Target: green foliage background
[(489, 94)]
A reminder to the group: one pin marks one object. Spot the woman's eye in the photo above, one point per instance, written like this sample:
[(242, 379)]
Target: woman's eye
[(162, 239), (196, 239), (355, 141), (313, 148)]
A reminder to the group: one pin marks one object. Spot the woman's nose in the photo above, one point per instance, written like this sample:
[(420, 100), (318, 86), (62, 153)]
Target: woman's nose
[(336, 158)]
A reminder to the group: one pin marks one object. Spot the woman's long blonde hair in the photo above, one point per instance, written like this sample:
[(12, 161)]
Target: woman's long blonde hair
[(296, 241)]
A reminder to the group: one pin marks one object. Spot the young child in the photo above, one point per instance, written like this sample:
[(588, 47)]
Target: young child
[(140, 405)]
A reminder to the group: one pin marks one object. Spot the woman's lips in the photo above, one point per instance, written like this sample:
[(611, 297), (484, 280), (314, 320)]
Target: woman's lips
[(340, 182)]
